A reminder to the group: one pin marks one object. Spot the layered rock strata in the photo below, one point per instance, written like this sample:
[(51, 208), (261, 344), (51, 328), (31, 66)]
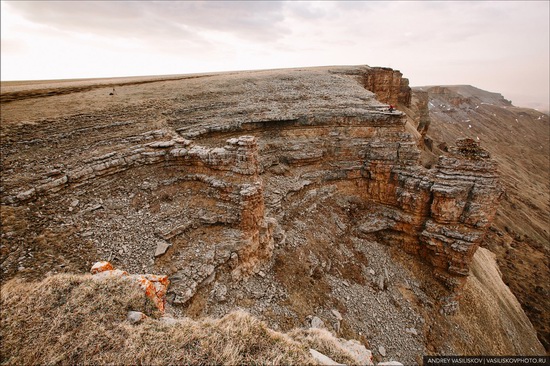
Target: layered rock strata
[(222, 183), (207, 204), (440, 214)]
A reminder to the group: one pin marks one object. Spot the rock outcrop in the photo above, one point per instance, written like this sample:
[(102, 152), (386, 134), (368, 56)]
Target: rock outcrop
[(389, 85), (216, 205), (441, 214)]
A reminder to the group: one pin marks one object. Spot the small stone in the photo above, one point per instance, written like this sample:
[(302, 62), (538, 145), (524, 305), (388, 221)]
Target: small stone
[(382, 351), (390, 363), (337, 314), (381, 282), (162, 247), (74, 203), (321, 358), (261, 274), (371, 271), (411, 331), (135, 316), (102, 266), (316, 322)]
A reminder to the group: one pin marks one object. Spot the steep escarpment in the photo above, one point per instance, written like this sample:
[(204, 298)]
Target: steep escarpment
[(518, 139), (439, 215), (292, 193)]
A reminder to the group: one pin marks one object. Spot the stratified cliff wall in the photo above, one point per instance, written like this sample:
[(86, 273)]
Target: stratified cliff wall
[(207, 190), (389, 85)]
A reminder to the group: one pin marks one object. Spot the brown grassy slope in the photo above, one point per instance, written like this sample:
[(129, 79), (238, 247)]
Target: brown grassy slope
[(519, 140), (70, 319)]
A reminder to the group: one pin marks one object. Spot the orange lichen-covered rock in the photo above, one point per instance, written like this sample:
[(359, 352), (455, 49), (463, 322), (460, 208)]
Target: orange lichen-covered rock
[(155, 286), (101, 267)]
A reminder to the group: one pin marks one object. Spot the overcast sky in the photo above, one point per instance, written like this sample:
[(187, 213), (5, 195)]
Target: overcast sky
[(500, 46)]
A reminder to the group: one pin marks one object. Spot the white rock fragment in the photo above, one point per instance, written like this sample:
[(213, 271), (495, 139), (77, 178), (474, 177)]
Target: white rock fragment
[(316, 322), (321, 358), (358, 351), (162, 247), (135, 316)]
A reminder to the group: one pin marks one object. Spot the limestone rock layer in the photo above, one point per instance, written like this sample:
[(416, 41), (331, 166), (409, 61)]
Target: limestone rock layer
[(211, 182)]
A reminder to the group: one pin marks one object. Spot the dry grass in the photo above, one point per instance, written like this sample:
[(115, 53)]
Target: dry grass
[(70, 319), (323, 341)]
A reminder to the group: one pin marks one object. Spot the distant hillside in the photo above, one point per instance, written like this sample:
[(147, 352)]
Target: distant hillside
[(519, 140)]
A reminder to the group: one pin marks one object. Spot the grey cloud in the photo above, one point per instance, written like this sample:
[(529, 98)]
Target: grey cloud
[(256, 21)]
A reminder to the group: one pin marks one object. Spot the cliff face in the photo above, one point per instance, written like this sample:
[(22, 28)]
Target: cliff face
[(389, 85), (292, 176), (440, 215), (518, 140)]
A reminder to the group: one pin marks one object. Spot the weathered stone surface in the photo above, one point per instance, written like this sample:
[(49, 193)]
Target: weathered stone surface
[(162, 247)]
